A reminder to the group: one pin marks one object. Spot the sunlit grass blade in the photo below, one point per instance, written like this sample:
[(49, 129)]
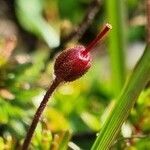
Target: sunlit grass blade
[(115, 15), (125, 102)]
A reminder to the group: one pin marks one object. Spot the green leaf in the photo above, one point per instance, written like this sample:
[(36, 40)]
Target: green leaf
[(2, 144), (65, 137), (74, 12), (116, 16), (30, 72), (29, 13), (124, 103), (91, 121)]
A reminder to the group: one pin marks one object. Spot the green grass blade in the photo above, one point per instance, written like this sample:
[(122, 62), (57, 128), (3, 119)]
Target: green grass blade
[(124, 104), (115, 15), (63, 145)]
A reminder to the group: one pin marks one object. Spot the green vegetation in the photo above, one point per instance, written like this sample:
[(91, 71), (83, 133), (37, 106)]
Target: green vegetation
[(30, 32)]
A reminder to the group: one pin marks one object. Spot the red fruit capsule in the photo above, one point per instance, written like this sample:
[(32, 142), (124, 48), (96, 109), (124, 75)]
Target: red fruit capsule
[(74, 62)]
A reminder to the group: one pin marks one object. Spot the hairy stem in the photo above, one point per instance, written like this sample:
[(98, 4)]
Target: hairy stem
[(125, 102), (39, 112)]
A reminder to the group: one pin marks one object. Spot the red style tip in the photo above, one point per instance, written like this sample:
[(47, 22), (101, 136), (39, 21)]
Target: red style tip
[(99, 37)]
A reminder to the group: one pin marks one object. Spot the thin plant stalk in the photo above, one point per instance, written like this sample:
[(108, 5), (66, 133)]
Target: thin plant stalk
[(116, 15), (63, 76), (39, 112), (125, 102)]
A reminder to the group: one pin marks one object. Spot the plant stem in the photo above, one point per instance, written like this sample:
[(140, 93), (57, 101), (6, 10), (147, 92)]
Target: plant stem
[(99, 37), (90, 14), (116, 16), (39, 112), (78, 32), (125, 102)]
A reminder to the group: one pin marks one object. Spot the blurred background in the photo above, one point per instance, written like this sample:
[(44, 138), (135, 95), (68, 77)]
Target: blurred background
[(32, 33)]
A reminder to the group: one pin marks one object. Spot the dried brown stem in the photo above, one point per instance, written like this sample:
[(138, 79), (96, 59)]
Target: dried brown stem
[(91, 12), (78, 32), (38, 113)]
